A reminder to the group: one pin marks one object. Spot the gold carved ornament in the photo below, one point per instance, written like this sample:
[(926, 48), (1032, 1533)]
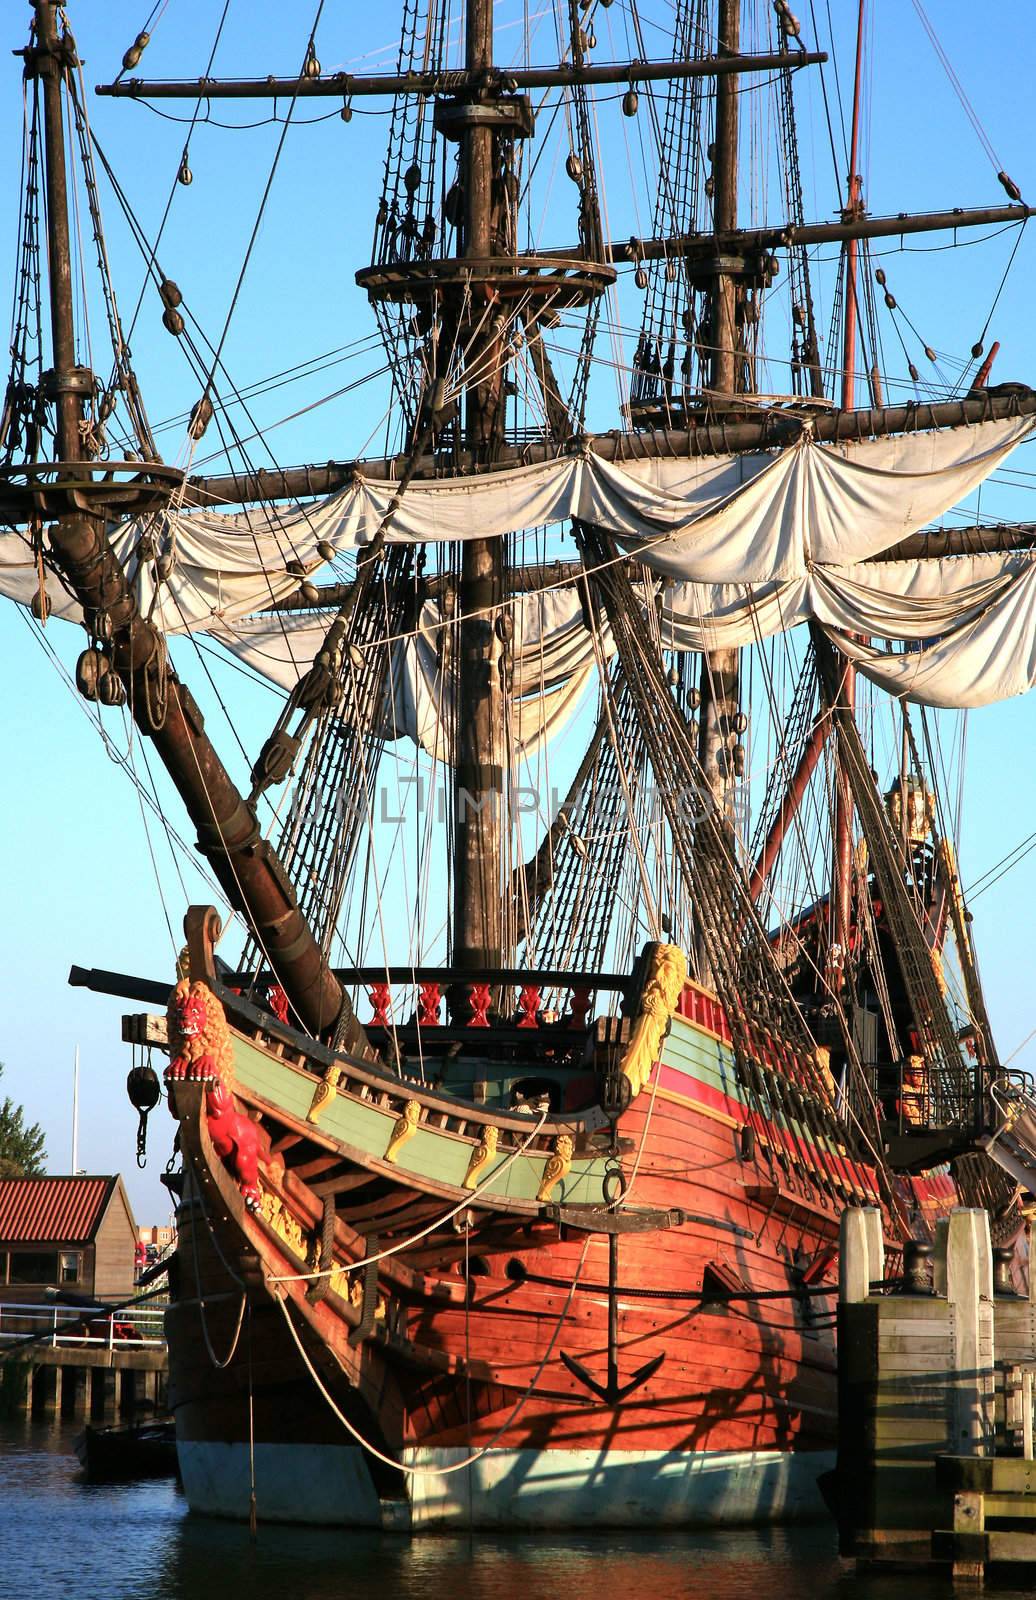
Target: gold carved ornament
[(483, 1152), (403, 1129), (284, 1224), (822, 1056), (556, 1167), (323, 1094), (667, 974)]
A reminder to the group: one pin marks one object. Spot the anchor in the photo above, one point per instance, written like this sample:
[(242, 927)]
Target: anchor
[(613, 1391)]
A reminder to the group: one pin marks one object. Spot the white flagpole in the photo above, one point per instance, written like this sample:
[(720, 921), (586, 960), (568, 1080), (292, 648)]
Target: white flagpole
[(75, 1113)]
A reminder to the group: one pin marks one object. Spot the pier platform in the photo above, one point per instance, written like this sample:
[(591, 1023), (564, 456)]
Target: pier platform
[(61, 1361), (936, 1402)]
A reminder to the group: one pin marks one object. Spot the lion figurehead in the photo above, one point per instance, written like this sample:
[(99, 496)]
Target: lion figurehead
[(199, 1038)]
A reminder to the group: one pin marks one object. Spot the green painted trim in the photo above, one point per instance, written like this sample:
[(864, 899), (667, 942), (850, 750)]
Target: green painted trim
[(700, 1056), (431, 1154)]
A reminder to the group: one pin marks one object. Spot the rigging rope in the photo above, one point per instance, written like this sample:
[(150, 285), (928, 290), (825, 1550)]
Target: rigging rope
[(406, 1244), (455, 1466)]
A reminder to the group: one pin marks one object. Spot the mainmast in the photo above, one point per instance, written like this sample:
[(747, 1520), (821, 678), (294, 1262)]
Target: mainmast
[(719, 671), (128, 649), (478, 933), (843, 811)]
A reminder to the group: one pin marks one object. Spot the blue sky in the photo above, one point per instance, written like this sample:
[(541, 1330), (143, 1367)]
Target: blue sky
[(75, 858)]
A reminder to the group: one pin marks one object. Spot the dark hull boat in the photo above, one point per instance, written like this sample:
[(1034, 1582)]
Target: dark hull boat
[(128, 1450), (548, 1237)]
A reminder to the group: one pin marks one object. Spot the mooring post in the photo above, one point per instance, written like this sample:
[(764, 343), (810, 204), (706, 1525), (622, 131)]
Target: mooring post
[(861, 1253), (76, 1391), (969, 1289), (942, 1228), (102, 1400), (47, 1389)]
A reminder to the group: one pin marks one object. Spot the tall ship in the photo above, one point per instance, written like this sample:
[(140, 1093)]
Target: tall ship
[(603, 937)]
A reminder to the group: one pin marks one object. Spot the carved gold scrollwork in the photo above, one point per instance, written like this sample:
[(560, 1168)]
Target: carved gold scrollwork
[(667, 974), (323, 1094), (339, 1282), (403, 1128), (483, 1152), (556, 1167), (287, 1227)]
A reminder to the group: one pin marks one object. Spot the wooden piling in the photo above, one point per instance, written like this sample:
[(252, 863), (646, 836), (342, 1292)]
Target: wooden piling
[(935, 1405)]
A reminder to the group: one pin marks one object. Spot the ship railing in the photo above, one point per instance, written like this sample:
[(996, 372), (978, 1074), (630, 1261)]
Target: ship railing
[(966, 1103), (1012, 1142), (450, 1001), (80, 1327)]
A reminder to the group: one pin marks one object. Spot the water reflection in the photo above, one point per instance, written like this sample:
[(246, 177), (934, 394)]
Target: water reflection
[(60, 1536)]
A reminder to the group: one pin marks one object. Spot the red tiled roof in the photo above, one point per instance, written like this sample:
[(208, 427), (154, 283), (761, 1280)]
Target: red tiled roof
[(51, 1210)]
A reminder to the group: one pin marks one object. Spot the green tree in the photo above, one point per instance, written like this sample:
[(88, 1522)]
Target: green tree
[(22, 1152)]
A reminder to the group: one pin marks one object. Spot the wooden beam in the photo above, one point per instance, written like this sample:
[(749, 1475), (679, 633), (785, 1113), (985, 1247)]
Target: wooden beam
[(766, 429), (485, 81)]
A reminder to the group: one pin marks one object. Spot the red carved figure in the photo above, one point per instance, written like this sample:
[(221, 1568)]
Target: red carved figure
[(202, 1052), (480, 995), (582, 999), (529, 1001), (380, 997), (278, 1002), (429, 997), (235, 1140)]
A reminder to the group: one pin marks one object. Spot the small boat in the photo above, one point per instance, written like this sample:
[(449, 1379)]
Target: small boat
[(129, 1450)]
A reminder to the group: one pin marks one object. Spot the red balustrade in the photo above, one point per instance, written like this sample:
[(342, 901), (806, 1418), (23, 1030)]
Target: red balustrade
[(704, 1009), (479, 997), (380, 997), (429, 999), (529, 1001)]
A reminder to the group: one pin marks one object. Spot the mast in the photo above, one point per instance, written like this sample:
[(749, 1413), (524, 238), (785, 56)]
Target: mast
[(129, 646), (843, 817), (481, 707), (66, 382), (719, 668)]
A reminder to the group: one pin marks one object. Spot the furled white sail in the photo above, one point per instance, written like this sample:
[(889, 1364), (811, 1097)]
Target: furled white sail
[(987, 653), (221, 568), (751, 544), (708, 519), (911, 601), (754, 519)]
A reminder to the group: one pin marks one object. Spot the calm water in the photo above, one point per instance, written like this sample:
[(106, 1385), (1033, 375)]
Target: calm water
[(60, 1536)]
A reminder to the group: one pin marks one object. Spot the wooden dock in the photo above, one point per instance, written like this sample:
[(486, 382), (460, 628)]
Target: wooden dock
[(94, 1370), (936, 1393)]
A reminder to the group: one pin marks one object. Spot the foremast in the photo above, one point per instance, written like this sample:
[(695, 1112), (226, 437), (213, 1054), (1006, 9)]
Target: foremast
[(127, 645), (842, 857)]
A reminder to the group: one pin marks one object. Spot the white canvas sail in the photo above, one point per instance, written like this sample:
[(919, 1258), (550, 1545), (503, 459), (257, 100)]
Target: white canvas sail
[(752, 545)]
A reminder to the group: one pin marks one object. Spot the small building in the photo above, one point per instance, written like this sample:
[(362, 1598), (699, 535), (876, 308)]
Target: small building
[(76, 1234), (157, 1238)]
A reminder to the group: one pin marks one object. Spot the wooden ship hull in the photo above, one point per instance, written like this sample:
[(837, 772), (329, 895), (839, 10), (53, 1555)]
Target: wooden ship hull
[(533, 1353)]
